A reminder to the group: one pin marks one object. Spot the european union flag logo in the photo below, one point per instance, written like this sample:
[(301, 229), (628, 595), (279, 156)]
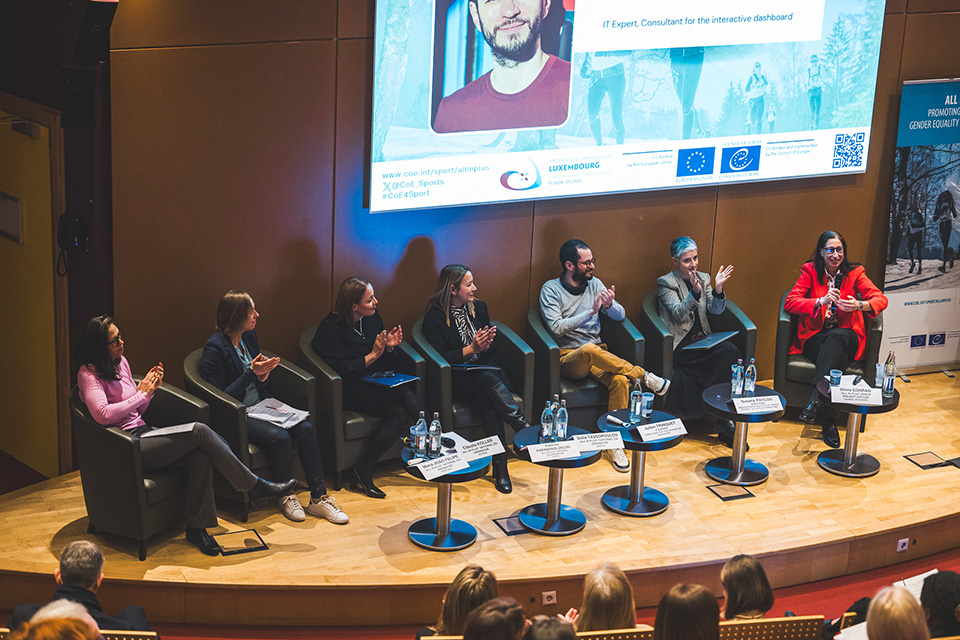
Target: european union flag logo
[(737, 159), (918, 341), (695, 162), (937, 339)]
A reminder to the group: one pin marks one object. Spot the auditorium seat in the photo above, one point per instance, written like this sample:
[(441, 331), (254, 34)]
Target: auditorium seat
[(343, 433), (228, 417), (120, 497), (586, 398), (513, 354), (793, 374), (659, 340)]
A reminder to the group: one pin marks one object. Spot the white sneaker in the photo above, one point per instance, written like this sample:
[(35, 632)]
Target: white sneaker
[(655, 383), (326, 507), (291, 509), (618, 459)]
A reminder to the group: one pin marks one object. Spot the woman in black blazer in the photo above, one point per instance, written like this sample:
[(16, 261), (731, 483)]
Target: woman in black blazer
[(232, 362), (458, 326)]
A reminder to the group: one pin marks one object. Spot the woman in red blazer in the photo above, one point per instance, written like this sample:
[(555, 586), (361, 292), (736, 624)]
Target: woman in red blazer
[(828, 299)]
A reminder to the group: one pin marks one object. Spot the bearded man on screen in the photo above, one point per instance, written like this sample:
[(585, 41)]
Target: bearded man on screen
[(526, 87)]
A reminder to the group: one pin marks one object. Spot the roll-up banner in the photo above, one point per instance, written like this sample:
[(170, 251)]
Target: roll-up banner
[(922, 278)]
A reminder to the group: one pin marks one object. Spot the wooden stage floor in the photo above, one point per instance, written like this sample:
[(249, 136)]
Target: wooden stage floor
[(806, 525)]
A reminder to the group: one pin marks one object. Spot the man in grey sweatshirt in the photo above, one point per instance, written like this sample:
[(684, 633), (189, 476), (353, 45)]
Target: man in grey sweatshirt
[(571, 306)]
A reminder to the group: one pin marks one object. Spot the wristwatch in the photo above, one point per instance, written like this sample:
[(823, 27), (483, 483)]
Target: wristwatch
[(859, 305)]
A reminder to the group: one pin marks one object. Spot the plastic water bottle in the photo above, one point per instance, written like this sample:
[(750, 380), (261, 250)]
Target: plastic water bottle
[(546, 423), (879, 376), (418, 436), (736, 379), (560, 430), (889, 375), (636, 404), (750, 379), (433, 437)]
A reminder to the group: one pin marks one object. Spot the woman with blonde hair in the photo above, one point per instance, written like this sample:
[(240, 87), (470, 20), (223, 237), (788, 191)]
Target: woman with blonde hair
[(894, 614), (471, 588), (607, 601)]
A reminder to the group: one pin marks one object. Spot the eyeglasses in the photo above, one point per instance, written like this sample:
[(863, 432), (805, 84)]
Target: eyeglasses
[(831, 250), (588, 263), (116, 341)]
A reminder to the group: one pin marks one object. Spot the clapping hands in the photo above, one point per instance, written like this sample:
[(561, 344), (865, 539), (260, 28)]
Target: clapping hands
[(605, 300), (483, 338), (152, 381), (262, 366)]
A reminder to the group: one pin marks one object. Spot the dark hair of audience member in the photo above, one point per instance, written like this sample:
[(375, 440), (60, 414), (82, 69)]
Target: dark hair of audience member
[(607, 601), (939, 598), (351, 292), (570, 251), (687, 612), (497, 619), (232, 311), (471, 588), (550, 628), (92, 348), (894, 614), (748, 592), (81, 563), (55, 629)]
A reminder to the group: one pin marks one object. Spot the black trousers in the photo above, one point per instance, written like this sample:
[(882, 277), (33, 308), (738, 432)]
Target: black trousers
[(278, 442), (198, 452), (833, 348), (694, 371), (474, 387), (397, 406)]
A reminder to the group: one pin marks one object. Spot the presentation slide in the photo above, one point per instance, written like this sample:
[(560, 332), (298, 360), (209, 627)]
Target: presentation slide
[(482, 101)]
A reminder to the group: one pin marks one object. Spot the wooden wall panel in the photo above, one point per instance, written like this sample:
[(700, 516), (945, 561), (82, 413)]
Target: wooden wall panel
[(355, 18), (931, 6), (930, 46), (143, 23), (223, 175)]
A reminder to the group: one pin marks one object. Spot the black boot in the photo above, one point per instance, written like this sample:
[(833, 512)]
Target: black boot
[(501, 477), (203, 541), (266, 489), (506, 407)]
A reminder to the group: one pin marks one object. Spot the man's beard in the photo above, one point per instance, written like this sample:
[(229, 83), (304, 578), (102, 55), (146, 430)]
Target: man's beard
[(580, 277), (515, 51)]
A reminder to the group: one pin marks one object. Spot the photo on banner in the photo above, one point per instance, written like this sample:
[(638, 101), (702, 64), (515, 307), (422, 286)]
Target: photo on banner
[(474, 103), (922, 276)]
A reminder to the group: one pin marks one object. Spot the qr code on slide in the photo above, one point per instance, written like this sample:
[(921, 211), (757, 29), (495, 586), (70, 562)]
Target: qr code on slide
[(848, 150)]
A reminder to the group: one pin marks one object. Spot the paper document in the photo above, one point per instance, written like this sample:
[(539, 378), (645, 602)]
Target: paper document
[(166, 431), (276, 412), (914, 584)]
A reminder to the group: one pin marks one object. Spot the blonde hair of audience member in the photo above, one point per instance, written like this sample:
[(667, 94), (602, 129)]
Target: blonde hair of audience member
[(471, 588), (450, 278), (56, 629), (746, 589), (687, 612), (607, 601), (64, 609), (894, 614), (550, 628), (497, 619)]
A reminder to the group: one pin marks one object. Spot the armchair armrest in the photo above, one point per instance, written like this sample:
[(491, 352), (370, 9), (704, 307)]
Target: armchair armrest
[(171, 405), (658, 341), (874, 340), (439, 377), (228, 416), (786, 329), (546, 356), (329, 386), (622, 339), (734, 319), (293, 385), (517, 359), (413, 365)]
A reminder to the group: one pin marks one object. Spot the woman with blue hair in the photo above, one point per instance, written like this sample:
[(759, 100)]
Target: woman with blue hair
[(685, 302)]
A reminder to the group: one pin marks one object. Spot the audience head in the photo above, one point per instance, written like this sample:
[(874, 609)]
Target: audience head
[(234, 311), (101, 346), (352, 292), (746, 587), (550, 628), (449, 283), (471, 588), (496, 619), (681, 245), (894, 614), (939, 598), (63, 616), (687, 612), (607, 601), (81, 565), (570, 252), (819, 261)]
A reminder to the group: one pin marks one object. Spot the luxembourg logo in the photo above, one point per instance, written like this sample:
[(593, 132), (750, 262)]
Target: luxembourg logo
[(695, 162), (521, 180), (740, 159)]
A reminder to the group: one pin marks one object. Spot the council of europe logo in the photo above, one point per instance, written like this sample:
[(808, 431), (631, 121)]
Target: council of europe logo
[(917, 341), (737, 159), (937, 339), (521, 180), (695, 162)]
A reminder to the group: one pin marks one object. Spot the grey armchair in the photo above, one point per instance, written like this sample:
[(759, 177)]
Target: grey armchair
[(659, 351), (586, 398), (793, 374), (121, 498), (344, 434), (288, 382), (513, 354)]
